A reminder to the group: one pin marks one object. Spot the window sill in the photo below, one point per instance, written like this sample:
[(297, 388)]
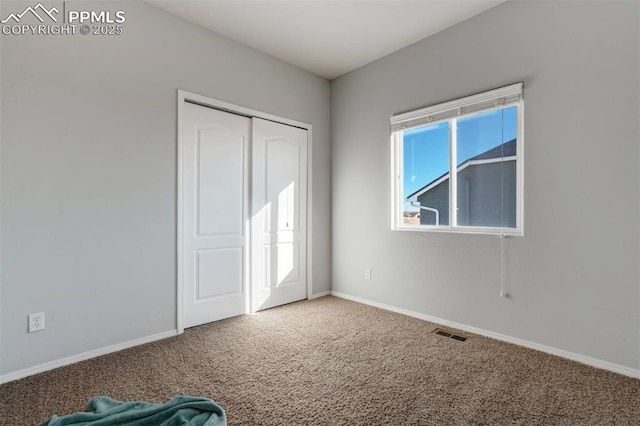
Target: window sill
[(507, 232)]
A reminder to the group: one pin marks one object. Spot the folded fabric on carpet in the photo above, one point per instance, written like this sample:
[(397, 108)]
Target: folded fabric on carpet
[(181, 410)]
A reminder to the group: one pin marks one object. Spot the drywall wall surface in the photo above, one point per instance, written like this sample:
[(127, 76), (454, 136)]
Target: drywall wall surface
[(573, 277), (89, 172)]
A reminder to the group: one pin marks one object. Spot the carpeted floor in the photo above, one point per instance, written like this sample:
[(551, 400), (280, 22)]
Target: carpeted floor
[(334, 362)]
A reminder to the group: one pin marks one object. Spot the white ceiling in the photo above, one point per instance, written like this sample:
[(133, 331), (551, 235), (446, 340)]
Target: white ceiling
[(330, 37)]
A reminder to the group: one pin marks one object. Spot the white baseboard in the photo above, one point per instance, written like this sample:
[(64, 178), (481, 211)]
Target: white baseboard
[(84, 356), (593, 362), (317, 295)]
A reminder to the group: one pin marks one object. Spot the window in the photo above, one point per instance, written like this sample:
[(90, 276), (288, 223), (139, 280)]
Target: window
[(458, 166)]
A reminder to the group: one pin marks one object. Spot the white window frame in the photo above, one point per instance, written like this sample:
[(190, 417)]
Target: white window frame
[(451, 111)]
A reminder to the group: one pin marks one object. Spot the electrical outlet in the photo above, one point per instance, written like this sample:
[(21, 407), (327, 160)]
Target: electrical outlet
[(36, 322), (367, 274)]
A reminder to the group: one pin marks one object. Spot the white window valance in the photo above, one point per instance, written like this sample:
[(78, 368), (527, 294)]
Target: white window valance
[(493, 99)]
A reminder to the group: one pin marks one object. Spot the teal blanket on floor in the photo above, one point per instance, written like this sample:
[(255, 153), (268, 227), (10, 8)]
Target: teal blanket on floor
[(181, 410)]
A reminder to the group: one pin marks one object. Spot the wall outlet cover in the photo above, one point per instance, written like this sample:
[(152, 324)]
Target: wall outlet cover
[(36, 322)]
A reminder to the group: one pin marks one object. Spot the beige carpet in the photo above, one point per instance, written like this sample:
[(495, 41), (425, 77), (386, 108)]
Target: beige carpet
[(335, 362)]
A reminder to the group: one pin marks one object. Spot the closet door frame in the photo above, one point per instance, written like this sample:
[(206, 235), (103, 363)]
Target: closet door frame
[(184, 96)]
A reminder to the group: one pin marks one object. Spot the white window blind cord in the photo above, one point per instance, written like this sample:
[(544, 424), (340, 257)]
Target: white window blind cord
[(503, 285)]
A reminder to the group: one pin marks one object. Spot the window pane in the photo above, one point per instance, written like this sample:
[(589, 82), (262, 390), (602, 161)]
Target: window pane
[(426, 175), (486, 172)]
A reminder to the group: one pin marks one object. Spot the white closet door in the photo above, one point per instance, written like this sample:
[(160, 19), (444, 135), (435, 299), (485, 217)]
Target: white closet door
[(215, 165), (278, 214)]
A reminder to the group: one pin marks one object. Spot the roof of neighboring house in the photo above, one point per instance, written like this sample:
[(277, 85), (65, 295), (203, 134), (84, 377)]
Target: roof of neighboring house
[(505, 150)]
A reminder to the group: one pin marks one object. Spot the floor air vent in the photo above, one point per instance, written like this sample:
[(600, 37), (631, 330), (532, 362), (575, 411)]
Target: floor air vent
[(452, 336)]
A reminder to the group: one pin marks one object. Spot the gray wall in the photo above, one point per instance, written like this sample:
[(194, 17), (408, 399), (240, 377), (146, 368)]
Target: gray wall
[(574, 277), (89, 173)]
